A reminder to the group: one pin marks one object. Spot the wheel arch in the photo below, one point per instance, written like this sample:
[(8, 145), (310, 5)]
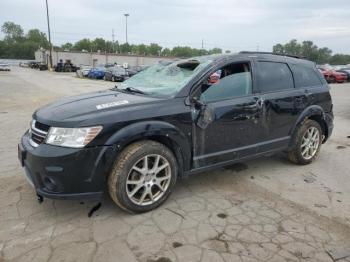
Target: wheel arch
[(159, 131), (316, 113)]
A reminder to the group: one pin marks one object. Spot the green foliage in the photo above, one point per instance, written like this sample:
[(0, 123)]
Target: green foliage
[(312, 52), (67, 46), (18, 45), (35, 36), (83, 44), (339, 59), (12, 31)]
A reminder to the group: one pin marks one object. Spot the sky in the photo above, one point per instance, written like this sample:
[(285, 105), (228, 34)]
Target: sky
[(233, 25)]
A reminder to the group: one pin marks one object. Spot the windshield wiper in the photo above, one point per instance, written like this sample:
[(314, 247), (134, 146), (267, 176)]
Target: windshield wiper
[(135, 90)]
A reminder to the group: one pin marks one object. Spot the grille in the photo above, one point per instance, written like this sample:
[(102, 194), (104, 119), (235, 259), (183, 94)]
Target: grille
[(38, 133)]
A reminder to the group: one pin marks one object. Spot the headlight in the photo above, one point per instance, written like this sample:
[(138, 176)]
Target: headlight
[(72, 137)]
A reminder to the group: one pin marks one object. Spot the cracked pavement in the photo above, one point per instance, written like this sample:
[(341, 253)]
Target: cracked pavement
[(231, 214)]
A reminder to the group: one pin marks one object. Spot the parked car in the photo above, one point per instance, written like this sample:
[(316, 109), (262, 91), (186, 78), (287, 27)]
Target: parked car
[(38, 65), (4, 67), (168, 121), (345, 71), (25, 64), (97, 73), (66, 66), (115, 74), (83, 71), (333, 76), (136, 69)]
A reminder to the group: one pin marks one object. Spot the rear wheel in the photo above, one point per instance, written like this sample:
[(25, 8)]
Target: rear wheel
[(143, 176), (306, 143)]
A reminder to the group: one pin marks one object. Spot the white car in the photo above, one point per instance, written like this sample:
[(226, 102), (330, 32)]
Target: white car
[(83, 71), (4, 67)]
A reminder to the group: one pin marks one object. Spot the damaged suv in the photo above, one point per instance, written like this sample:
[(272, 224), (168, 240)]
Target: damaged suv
[(171, 120)]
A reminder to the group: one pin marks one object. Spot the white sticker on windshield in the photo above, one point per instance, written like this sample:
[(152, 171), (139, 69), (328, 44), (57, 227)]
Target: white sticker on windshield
[(112, 104)]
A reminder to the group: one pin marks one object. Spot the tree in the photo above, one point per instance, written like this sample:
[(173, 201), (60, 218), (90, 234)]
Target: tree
[(215, 50), (305, 49), (35, 36), (339, 59), (83, 44), (12, 31), (181, 51), (99, 44), (125, 48), (67, 46), (154, 49), (141, 49)]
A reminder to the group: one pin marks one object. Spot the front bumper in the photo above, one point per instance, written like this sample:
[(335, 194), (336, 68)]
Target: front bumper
[(66, 173)]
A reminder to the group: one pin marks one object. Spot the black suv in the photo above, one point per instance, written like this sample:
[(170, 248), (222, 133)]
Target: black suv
[(175, 119)]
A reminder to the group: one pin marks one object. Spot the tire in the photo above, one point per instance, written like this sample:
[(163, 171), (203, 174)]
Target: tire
[(332, 80), (129, 168), (299, 154)]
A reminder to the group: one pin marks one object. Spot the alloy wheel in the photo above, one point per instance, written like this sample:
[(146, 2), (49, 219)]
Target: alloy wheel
[(310, 143), (148, 179)]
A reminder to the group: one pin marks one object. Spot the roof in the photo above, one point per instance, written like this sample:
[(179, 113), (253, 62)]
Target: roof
[(260, 55)]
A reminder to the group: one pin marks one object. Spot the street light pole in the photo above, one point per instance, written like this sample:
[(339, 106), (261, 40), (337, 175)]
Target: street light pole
[(126, 27), (48, 28)]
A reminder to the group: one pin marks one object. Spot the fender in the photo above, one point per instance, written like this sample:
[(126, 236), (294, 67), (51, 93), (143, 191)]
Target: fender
[(155, 130), (311, 111)]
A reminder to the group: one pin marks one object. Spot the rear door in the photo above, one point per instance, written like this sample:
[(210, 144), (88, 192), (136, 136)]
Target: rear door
[(282, 103)]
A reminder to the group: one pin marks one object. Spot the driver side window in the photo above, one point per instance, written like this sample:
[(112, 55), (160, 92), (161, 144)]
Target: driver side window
[(230, 81)]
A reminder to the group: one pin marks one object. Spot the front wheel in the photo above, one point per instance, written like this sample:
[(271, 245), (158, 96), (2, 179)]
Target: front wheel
[(306, 143), (143, 176)]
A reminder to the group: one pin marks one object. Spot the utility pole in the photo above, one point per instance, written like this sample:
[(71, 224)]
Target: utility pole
[(202, 47), (48, 28), (113, 40), (126, 27)]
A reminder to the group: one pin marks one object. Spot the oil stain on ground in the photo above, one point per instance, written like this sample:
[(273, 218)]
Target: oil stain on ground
[(341, 147), (222, 215), (237, 167), (161, 259), (177, 244)]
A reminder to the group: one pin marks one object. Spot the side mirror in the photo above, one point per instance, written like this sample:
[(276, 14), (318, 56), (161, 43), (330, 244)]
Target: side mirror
[(195, 100)]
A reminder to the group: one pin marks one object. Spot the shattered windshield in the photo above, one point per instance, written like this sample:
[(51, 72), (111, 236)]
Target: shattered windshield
[(165, 78)]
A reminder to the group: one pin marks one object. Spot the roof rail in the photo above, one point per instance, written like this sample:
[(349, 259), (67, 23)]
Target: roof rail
[(271, 53)]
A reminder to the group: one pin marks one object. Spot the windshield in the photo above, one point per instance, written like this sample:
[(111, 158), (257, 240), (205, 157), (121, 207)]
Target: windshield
[(166, 78)]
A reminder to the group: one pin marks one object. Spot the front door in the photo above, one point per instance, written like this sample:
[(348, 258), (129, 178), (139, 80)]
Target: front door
[(233, 130)]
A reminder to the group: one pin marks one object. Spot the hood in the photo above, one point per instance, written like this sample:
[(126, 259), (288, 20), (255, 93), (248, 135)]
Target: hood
[(75, 110)]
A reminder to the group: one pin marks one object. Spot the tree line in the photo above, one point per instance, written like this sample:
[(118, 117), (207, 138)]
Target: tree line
[(310, 51), (19, 45)]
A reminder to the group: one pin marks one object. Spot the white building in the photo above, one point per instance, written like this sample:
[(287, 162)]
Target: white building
[(95, 59)]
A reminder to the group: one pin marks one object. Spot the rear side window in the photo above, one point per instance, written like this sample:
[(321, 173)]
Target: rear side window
[(274, 76), (305, 76)]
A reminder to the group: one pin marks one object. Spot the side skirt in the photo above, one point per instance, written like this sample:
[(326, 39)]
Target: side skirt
[(230, 162)]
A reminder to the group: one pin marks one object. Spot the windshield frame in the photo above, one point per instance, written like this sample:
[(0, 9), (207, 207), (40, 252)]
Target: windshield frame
[(181, 92)]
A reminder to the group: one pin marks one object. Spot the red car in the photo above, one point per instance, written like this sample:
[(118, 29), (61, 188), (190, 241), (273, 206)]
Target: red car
[(333, 76)]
